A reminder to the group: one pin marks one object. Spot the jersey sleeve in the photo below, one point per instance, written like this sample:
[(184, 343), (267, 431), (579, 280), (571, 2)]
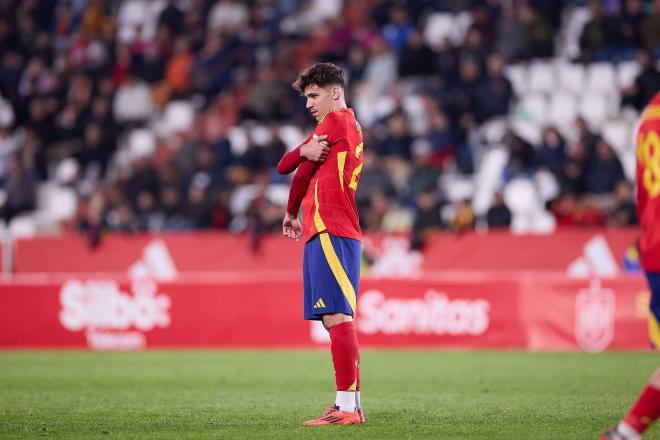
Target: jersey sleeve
[(333, 126), (292, 159), (299, 186)]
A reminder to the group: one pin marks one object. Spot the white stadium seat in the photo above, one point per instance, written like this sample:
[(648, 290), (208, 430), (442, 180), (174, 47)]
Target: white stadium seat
[(626, 73), (563, 108), (617, 133), (24, 226), (571, 76), (532, 107), (602, 77), (517, 74), (542, 77), (438, 29), (595, 109), (487, 178)]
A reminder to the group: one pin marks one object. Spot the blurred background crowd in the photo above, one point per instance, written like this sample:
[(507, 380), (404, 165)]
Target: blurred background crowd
[(155, 115)]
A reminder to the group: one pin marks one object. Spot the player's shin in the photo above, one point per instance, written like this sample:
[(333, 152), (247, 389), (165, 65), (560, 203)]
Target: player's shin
[(345, 359), (645, 411)]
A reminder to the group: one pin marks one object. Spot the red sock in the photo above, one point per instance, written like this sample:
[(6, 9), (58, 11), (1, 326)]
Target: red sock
[(645, 411), (344, 350)]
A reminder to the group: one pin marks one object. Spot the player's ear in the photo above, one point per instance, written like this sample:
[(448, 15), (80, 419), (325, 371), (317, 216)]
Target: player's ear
[(335, 93)]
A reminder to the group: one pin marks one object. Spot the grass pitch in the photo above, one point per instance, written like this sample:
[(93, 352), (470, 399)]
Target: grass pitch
[(267, 394)]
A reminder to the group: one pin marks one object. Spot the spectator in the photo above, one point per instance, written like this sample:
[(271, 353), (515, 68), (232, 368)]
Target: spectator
[(647, 82), (381, 69), (499, 215), (172, 18), (623, 212), (177, 72), (397, 139), (651, 27), (630, 24), (521, 158), (552, 153), (494, 94), (398, 29), (464, 218), (594, 33), (604, 171), (537, 37), (20, 185), (427, 218), (415, 56), (227, 16)]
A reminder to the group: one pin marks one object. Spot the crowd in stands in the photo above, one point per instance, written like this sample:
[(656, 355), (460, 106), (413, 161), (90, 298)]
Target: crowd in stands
[(171, 115)]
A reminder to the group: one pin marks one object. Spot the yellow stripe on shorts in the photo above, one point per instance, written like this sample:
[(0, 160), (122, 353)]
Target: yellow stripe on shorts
[(338, 270), (654, 330)]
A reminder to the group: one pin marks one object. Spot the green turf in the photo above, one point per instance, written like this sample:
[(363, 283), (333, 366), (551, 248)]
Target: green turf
[(249, 394)]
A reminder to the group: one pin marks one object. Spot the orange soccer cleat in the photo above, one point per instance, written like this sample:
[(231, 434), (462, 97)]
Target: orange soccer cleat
[(335, 417)]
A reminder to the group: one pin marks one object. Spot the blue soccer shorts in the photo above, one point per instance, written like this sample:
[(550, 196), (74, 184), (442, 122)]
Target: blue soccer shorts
[(654, 312), (331, 269)]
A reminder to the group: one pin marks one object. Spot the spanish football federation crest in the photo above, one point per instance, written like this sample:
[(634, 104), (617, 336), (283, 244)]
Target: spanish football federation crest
[(594, 317)]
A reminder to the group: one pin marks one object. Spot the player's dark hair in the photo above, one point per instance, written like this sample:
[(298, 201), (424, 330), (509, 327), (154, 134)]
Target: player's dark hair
[(321, 75)]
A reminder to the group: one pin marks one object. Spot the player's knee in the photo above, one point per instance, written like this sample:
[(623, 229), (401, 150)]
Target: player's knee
[(337, 318), (654, 381)]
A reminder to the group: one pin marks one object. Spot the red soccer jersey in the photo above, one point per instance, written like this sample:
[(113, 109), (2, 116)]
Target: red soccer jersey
[(329, 203), (648, 185)]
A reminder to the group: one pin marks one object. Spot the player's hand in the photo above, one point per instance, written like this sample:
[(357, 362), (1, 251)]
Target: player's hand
[(316, 150), (291, 227)]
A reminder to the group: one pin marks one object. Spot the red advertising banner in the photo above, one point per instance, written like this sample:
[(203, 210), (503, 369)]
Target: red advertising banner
[(578, 251), (529, 311)]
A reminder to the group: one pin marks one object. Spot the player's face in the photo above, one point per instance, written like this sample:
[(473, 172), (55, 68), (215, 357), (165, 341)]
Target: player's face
[(319, 100)]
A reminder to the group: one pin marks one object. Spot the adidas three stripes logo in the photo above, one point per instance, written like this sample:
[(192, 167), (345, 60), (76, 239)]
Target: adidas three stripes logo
[(319, 304)]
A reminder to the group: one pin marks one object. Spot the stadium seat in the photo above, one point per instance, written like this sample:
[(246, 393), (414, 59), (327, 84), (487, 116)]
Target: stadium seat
[(23, 226), (141, 143), (563, 108), (66, 171), (532, 107), (487, 178), (595, 109), (548, 187), (414, 106), (542, 77), (178, 116), (626, 73), (571, 76), (617, 133), (291, 136), (6, 113), (492, 132), (456, 187), (529, 131), (438, 28), (543, 223), (461, 22), (56, 203), (517, 74), (601, 77), (238, 139), (521, 197), (260, 135), (575, 20)]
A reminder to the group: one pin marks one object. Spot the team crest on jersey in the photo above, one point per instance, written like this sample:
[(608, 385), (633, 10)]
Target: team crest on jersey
[(594, 317)]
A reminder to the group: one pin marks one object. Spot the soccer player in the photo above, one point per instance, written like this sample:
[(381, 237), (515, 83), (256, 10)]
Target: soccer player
[(647, 408), (330, 229)]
